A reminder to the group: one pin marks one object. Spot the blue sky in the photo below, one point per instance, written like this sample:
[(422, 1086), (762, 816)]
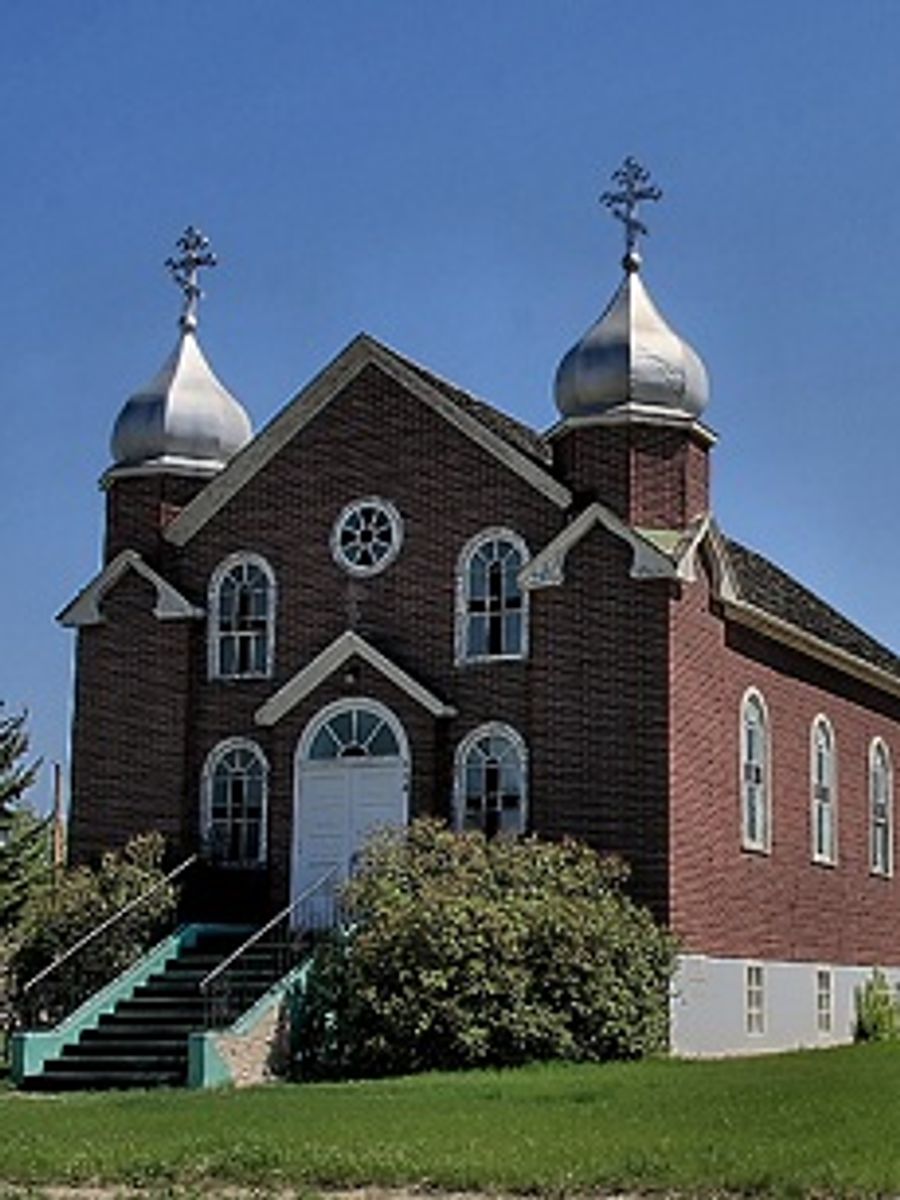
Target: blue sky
[(429, 172)]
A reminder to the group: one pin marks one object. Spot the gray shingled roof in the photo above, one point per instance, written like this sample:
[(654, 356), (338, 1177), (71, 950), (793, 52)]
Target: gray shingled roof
[(518, 435), (766, 586)]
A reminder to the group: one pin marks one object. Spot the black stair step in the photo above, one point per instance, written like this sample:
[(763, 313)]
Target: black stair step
[(129, 1026), (185, 984), (150, 1061), (113, 1046), (94, 1080), (163, 1020), (144, 1033), (191, 962), (164, 1001)]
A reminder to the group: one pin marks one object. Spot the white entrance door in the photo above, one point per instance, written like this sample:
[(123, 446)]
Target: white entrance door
[(352, 774)]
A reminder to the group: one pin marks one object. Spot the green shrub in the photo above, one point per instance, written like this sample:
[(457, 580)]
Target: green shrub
[(74, 902), (464, 952), (877, 1012)]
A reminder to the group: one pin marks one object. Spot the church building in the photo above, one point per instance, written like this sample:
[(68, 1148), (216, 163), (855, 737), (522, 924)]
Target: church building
[(397, 600)]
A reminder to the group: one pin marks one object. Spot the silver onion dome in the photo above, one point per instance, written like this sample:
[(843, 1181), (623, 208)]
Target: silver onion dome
[(184, 417), (630, 359), (630, 356)]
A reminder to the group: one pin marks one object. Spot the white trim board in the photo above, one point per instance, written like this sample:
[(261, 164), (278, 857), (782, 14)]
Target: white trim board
[(85, 608), (331, 659), (317, 395), (547, 568)]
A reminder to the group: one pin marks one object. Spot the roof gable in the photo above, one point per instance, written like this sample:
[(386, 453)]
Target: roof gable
[(506, 440), (654, 556), (331, 659), (85, 608)]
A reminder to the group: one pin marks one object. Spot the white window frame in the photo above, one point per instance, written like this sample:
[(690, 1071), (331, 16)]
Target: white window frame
[(881, 827), (215, 632), (218, 752), (755, 999), (463, 614), (389, 513), (824, 1000), (490, 729), (823, 794), (758, 775)]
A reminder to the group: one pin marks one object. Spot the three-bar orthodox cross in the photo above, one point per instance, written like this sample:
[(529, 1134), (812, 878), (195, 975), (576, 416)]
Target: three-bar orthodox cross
[(194, 254), (634, 186)]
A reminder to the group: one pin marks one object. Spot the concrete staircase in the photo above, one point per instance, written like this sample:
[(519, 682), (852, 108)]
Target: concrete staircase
[(143, 1041)]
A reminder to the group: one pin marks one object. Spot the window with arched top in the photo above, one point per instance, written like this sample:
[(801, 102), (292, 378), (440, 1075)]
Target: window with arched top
[(756, 807), (241, 618), (491, 608), (491, 781), (823, 776), (355, 731), (234, 804), (881, 806)]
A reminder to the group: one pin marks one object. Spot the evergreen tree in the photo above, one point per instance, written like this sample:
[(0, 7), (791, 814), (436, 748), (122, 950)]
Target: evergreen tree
[(15, 775), (24, 837)]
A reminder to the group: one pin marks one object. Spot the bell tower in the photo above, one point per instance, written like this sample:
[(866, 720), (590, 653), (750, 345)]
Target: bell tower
[(631, 393), (176, 432)]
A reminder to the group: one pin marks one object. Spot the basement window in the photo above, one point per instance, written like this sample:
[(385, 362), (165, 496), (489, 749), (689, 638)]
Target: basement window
[(755, 999), (824, 1001)]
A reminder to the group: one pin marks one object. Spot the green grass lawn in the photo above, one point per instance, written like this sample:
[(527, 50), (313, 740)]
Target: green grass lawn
[(816, 1122)]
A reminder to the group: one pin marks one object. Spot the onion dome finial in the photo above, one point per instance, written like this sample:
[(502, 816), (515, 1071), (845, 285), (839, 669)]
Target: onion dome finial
[(184, 419), (631, 360)]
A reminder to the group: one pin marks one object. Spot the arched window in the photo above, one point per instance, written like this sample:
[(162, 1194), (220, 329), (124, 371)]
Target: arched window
[(881, 808), (824, 798), (490, 781), (235, 784), (756, 813), (241, 618), (357, 731), (492, 610)]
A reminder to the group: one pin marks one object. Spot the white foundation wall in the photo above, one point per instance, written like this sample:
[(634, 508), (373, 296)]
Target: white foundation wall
[(709, 1005)]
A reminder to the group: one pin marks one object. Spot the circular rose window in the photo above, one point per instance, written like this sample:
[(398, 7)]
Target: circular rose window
[(366, 536)]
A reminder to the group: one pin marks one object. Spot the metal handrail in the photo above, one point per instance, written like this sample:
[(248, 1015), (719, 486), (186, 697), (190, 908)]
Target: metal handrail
[(107, 924), (223, 966)]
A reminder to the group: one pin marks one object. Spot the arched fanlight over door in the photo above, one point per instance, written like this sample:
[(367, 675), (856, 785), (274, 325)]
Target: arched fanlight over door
[(355, 732)]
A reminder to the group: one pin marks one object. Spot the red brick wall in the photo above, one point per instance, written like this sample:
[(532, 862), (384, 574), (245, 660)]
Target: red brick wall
[(650, 475), (138, 507), (131, 724), (594, 461), (600, 713), (730, 901)]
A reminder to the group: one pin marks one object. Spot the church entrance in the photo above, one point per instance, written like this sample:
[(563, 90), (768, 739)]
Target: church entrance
[(352, 778)]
